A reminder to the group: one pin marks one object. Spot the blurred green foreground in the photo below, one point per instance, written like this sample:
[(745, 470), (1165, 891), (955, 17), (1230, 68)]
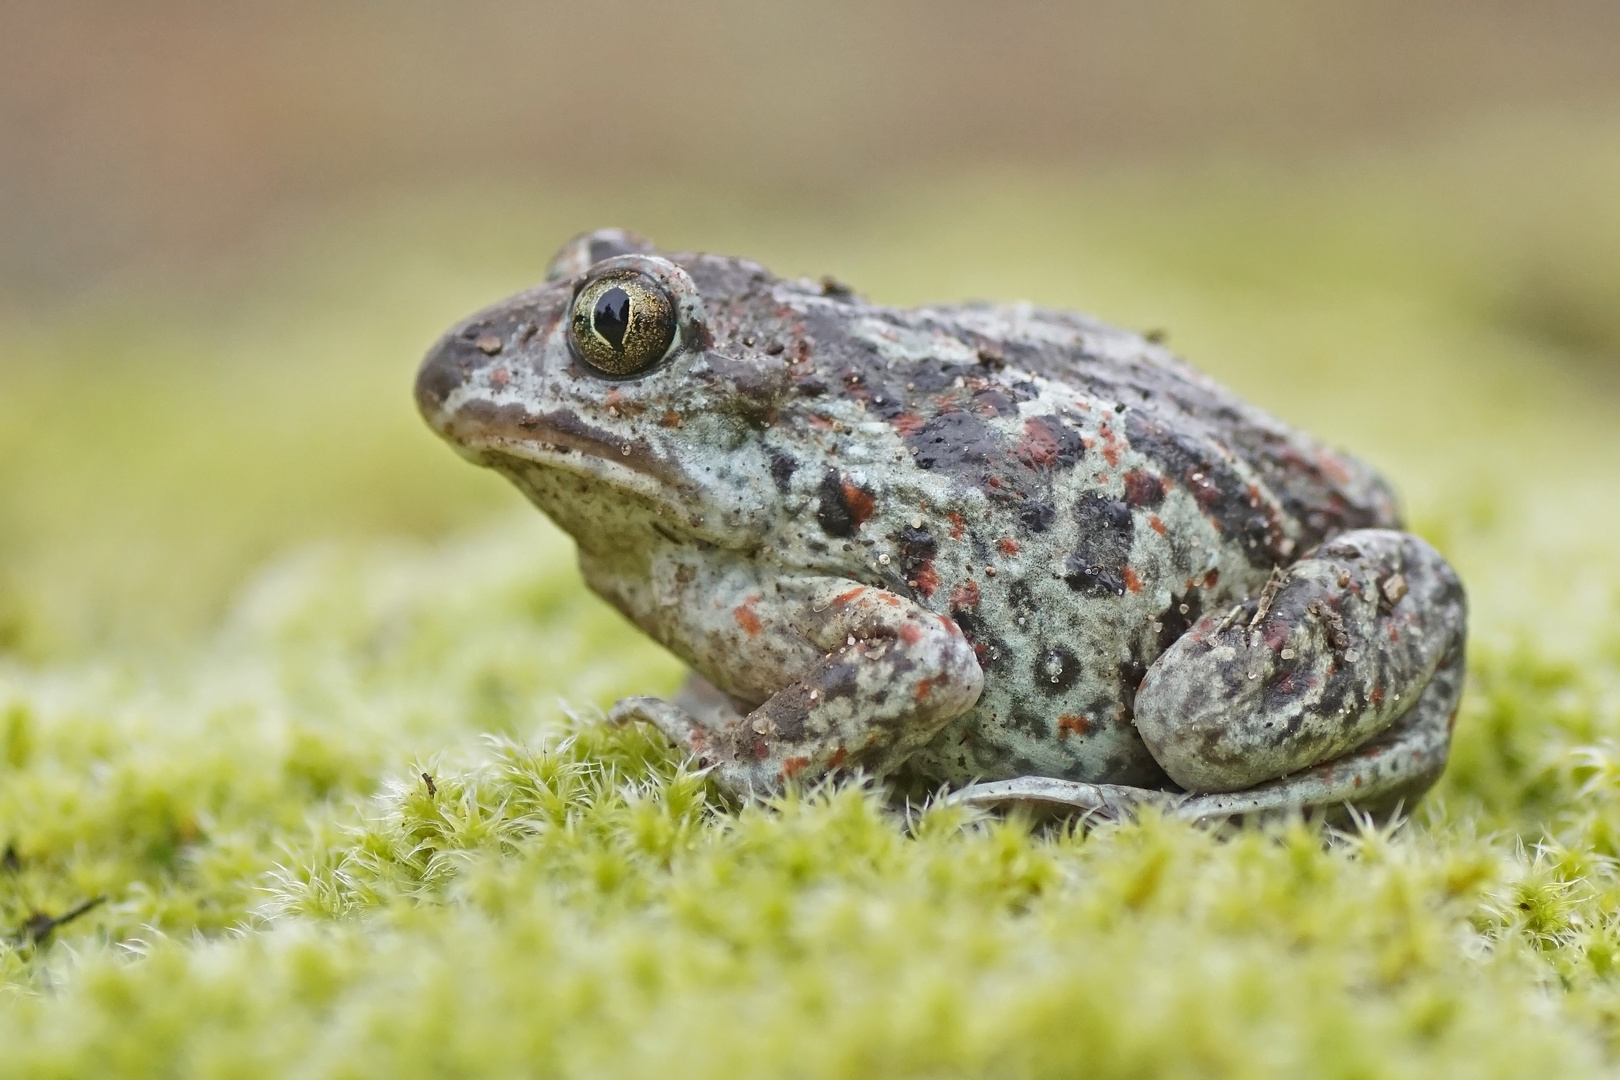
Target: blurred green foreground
[(247, 601)]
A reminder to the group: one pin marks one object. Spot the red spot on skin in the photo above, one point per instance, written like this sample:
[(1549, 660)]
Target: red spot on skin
[(1039, 446), (888, 598), (671, 418), (1357, 782), (1070, 724), (908, 423), (793, 766), (499, 377), (1110, 446), (992, 481), (843, 598), (1132, 582), (965, 595), (1377, 695), (927, 580), (822, 423), (1393, 636), (910, 634), (1008, 547), (1211, 578), (859, 502), (923, 688), (744, 614), (957, 525), (839, 757), (1334, 468), (1143, 488), (1158, 527), (761, 750)]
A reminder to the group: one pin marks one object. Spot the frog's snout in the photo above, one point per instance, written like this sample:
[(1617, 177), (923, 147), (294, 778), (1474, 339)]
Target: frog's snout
[(445, 369)]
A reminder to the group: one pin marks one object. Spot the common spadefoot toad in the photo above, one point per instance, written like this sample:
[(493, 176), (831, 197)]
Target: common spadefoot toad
[(1011, 551)]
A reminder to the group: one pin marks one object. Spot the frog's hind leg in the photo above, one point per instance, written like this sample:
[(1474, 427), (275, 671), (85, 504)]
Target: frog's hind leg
[(1382, 776), (1343, 675), (1391, 771)]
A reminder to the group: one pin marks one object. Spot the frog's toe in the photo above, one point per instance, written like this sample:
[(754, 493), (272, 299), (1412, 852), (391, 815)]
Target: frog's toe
[(1044, 796), (678, 725)]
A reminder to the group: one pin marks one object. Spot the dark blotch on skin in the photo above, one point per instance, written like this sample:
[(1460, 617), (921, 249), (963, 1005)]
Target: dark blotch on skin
[(886, 402), (991, 651), (1055, 670), (1037, 517), (1222, 494), (1033, 720), (917, 546), (783, 466), (1131, 674), (994, 403), (956, 442), (931, 376), (753, 388), (1106, 531), (1049, 444), (1142, 488), (1172, 624), (1092, 578), (833, 511)]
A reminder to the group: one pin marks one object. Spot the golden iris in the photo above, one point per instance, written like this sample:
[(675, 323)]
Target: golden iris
[(623, 323)]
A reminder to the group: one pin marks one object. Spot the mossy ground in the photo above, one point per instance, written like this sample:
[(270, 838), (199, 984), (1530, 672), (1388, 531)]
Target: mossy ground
[(249, 609)]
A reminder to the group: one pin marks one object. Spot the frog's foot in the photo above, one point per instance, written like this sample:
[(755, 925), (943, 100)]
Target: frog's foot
[(1044, 797), (891, 675), (690, 720), (1361, 638)]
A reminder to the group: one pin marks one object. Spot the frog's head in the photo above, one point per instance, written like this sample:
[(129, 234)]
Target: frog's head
[(600, 394)]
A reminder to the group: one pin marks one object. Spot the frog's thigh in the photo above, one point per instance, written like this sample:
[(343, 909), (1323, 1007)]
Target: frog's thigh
[(892, 674), (1335, 651)]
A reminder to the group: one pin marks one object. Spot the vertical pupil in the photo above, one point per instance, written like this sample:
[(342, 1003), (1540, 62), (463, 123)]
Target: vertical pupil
[(611, 316)]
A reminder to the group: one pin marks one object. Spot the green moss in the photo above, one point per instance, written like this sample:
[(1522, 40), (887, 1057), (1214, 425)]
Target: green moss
[(316, 706)]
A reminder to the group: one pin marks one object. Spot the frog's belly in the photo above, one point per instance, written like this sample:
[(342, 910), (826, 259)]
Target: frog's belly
[(1057, 692), (1006, 735)]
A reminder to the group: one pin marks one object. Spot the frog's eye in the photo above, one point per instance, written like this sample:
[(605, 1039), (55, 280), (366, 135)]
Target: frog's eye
[(623, 323)]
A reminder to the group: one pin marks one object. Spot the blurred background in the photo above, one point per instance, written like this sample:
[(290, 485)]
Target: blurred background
[(229, 231)]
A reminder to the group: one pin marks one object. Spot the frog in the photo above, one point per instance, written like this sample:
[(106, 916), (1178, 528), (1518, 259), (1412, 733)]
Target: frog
[(1007, 555)]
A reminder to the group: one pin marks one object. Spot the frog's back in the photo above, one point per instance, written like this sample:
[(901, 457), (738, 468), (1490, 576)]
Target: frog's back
[(1175, 412)]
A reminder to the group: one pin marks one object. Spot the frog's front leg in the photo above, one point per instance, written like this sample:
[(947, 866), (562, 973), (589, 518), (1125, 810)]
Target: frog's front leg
[(877, 677)]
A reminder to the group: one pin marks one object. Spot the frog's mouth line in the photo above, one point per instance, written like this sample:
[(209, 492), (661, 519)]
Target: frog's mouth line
[(561, 440)]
